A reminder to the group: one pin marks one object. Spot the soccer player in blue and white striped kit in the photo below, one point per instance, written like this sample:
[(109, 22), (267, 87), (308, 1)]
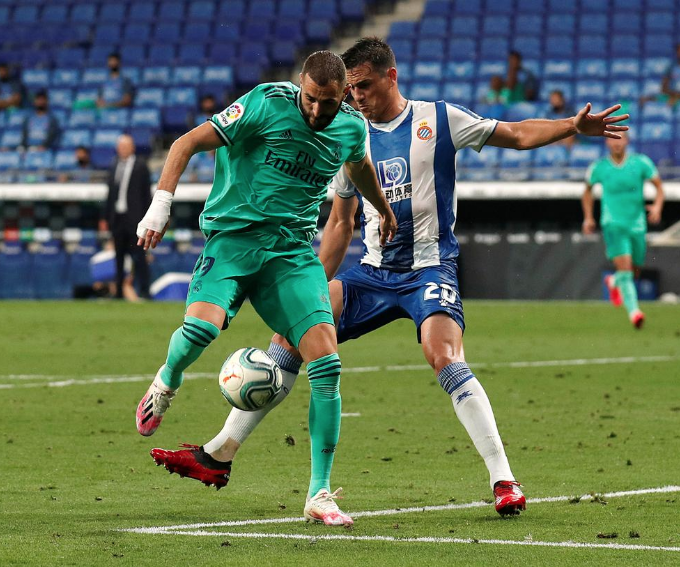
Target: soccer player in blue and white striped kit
[(413, 147)]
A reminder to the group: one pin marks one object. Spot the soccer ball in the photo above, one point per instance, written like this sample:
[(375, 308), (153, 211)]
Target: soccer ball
[(250, 379)]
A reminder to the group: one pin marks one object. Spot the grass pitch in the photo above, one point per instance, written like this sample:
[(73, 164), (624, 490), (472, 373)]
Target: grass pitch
[(75, 472)]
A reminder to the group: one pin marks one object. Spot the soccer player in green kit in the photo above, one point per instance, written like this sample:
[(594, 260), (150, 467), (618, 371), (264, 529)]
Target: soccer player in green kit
[(623, 220), (278, 147)]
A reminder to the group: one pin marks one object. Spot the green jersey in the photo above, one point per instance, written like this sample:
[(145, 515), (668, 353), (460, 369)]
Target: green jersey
[(623, 202), (273, 170)]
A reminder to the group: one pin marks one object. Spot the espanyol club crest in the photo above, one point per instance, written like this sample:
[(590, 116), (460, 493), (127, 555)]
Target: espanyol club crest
[(424, 132)]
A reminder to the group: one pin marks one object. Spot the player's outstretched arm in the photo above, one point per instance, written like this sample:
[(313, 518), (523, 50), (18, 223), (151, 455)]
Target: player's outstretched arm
[(337, 234), (587, 206), (152, 227), (362, 174), (654, 210), (530, 134)]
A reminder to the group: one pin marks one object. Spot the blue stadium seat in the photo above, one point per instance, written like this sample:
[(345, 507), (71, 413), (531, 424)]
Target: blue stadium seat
[(624, 90), (566, 87), (186, 75), (65, 160), (462, 49), (657, 111), (4, 15), (16, 118), (480, 166), (658, 45), (625, 46), (590, 89), (106, 137), (232, 11), (425, 90), (166, 32), (628, 5), (582, 155), (254, 52), (136, 33), (560, 24), (661, 5), (84, 13), (61, 98), (191, 54), (282, 53), (561, 7), (592, 46), (488, 69), (165, 260), (464, 26), (114, 118), (626, 23), (197, 31), (133, 54), (161, 54), (515, 165), (94, 77), (651, 87), (288, 30), (171, 11), (267, 8), (143, 138), (16, 267), (145, 118), (458, 93), (593, 24), (496, 25), (113, 12), (25, 15), (592, 68), (149, 97), (626, 68), (181, 96), (201, 11), (528, 24), (655, 67), (108, 34), (65, 78), (403, 30), (462, 7), (79, 272), (433, 27), (523, 111), (438, 8), (11, 138), (10, 160), (142, 12), (560, 46), (35, 79), (558, 69), (218, 75), (35, 160), (158, 76), (462, 70), (319, 31), (50, 273), (429, 71), (529, 47), (70, 57), (595, 6), (491, 47), (87, 95), (54, 14), (83, 118), (552, 160), (222, 51), (659, 22)]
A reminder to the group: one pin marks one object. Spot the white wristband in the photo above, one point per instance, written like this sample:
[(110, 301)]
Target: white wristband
[(158, 214)]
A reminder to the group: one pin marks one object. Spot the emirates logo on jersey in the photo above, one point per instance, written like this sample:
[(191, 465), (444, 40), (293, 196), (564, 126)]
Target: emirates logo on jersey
[(424, 132)]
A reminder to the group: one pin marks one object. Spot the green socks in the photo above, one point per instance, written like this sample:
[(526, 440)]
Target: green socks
[(324, 418), (186, 345), (624, 281)]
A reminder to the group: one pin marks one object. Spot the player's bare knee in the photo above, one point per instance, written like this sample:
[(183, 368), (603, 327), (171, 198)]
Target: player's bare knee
[(440, 361)]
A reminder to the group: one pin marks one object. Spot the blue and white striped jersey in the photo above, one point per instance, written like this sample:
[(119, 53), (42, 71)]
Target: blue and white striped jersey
[(415, 159)]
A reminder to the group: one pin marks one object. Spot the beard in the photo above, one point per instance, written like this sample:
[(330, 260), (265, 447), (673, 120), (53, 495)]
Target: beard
[(322, 123)]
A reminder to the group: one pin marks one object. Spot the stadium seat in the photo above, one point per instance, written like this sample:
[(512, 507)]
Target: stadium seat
[(582, 155), (625, 46), (458, 93), (523, 111), (403, 30), (133, 54), (488, 69), (461, 70), (464, 26), (222, 76), (462, 7), (113, 12), (181, 96), (565, 86), (72, 138), (114, 118), (187, 75), (107, 33), (624, 90), (515, 165), (16, 118), (491, 47), (254, 52), (65, 78), (136, 33), (560, 24), (655, 67), (462, 49), (201, 11), (70, 57), (65, 160), (590, 90), (595, 6), (94, 77), (84, 13), (433, 27), (593, 24), (658, 45), (83, 118), (197, 32), (152, 97), (142, 12), (221, 52), (561, 46), (50, 273), (144, 137), (106, 137), (34, 79), (11, 138), (166, 32), (592, 46), (528, 24), (87, 96), (158, 76), (25, 15), (624, 68), (16, 266), (659, 22), (661, 5), (171, 11), (592, 69), (431, 70), (146, 118), (529, 47), (550, 161), (531, 6), (558, 69), (10, 160), (191, 54), (318, 31), (425, 90)]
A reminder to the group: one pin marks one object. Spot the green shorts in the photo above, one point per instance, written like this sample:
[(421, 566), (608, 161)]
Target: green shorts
[(283, 278), (619, 241)]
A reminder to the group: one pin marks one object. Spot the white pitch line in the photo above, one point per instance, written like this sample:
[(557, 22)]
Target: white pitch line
[(64, 381), (332, 537), (391, 512)]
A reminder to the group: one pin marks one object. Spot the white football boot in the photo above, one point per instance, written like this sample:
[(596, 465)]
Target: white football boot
[(154, 404), (322, 508)]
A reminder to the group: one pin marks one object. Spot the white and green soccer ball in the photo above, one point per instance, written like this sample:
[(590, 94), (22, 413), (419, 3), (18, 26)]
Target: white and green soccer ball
[(250, 379)]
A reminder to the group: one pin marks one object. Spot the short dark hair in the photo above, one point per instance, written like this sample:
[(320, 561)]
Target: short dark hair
[(83, 148), (113, 54), (324, 67), (42, 93), (371, 50)]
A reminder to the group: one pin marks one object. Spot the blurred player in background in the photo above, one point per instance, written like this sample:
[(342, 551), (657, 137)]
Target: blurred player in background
[(622, 217), (413, 146), (279, 147)]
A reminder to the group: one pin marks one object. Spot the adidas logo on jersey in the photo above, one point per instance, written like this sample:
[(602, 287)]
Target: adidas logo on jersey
[(286, 135)]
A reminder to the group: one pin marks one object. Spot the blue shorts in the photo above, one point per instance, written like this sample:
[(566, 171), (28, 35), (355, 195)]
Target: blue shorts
[(373, 297)]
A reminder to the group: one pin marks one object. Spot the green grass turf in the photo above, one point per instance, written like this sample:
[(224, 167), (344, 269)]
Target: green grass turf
[(74, 470)]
